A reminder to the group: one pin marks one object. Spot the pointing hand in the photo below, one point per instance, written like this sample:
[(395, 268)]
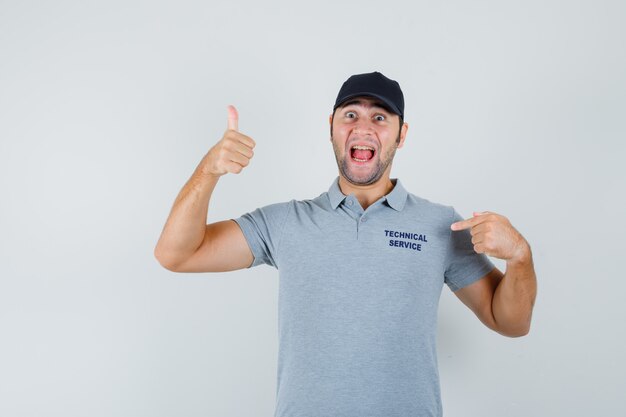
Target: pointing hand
[(233, 152), (494, 235)]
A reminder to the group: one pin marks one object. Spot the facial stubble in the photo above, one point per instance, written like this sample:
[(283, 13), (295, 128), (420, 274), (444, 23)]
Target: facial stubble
[(380, 165)]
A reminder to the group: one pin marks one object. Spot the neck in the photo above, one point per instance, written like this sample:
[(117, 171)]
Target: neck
[(367, 194)]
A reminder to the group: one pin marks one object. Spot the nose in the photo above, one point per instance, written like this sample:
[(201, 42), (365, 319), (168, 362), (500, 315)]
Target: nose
[(363, 126)]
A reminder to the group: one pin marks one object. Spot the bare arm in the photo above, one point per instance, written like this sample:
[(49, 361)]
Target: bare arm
[(503, 302), (514, 299), (187, 243), (184, 230)]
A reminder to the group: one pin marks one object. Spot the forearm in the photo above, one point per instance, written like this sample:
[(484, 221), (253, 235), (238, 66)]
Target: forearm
[(185, 227), (514, 297)]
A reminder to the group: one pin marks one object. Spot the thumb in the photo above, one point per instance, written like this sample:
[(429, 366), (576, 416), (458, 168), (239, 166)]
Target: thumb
[(233, 118)]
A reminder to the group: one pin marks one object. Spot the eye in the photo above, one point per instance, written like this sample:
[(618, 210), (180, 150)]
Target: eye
[(380, 117), (350, 114)]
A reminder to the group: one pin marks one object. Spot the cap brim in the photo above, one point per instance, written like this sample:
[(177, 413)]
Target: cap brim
[(392, 107)]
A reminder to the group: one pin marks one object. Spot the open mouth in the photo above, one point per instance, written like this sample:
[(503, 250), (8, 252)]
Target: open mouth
[(361, 153)]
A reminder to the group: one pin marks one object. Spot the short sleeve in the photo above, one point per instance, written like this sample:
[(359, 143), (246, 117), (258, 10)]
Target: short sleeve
[(463, 265), (262, 229)]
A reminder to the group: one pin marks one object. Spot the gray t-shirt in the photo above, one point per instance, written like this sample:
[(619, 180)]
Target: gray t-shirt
[(358, 298)]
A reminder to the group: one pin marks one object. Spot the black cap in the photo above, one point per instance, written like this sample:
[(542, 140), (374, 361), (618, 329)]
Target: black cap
[(373, 84)]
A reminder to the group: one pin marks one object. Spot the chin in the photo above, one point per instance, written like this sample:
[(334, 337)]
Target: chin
[(368, 180)]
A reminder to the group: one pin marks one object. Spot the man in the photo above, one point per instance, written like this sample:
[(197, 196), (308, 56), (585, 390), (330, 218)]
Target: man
[(361, 266)]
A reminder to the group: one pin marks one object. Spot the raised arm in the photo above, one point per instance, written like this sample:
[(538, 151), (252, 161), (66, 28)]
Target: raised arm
[(503, 302), (187, 242)]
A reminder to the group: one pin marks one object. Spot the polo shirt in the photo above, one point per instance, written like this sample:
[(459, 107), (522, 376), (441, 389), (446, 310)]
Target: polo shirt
[(358, 298)]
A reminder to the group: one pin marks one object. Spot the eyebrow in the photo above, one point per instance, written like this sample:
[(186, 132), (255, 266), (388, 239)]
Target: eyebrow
[(377, 104)]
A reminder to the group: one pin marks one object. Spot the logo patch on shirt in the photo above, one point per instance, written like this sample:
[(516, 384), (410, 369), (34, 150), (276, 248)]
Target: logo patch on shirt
[(413, 241)]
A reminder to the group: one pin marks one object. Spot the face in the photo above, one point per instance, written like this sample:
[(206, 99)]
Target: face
[(363, 122)]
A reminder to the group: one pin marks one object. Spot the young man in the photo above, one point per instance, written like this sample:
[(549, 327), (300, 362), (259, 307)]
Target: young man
[(361, 266)]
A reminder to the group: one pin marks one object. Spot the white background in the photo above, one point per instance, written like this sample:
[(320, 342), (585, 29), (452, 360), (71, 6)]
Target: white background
[(106, 108)]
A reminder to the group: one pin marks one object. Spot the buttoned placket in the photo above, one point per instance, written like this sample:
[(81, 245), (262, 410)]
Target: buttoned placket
[(359, 215)]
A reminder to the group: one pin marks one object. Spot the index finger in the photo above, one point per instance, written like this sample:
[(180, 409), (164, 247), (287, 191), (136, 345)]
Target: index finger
[(466, 224), (233, 118)]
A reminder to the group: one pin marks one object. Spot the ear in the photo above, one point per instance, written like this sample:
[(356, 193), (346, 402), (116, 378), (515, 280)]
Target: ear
[(403, 131)]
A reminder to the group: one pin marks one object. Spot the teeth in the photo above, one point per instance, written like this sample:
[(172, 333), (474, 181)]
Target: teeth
[(362, 147)]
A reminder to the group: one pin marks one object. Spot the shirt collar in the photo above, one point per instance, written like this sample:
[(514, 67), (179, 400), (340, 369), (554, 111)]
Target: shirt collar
[(395, 199)]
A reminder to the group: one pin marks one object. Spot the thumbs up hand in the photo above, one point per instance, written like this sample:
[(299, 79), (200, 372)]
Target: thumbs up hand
[(233, 152)]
